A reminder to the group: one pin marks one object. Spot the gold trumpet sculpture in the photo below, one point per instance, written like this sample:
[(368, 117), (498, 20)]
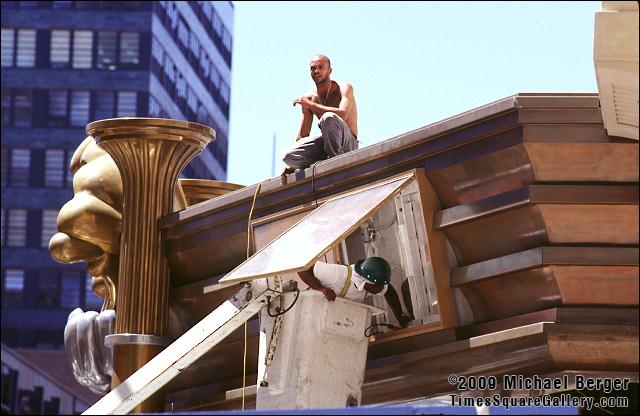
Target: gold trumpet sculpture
[(149, 155)]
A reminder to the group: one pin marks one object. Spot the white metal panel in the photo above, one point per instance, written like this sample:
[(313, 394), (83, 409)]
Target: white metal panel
[(301, 245)]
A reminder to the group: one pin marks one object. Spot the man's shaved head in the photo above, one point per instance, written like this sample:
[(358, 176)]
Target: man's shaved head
[(321, 57)]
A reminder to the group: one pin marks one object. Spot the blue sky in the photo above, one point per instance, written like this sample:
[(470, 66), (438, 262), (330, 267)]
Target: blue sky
[(410, 63)]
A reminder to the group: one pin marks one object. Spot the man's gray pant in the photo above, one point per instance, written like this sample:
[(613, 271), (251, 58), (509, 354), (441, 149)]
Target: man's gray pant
[(335, 139)]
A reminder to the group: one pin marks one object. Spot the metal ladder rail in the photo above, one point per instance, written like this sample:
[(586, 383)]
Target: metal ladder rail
[(188, 348)]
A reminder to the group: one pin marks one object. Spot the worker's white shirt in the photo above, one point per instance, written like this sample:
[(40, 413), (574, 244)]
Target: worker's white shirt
[(334, 277)]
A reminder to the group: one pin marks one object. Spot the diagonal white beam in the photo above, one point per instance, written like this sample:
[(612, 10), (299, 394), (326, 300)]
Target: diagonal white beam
[(185, 350)]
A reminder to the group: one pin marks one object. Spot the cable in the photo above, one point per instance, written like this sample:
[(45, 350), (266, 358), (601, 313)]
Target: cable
[(313, 184), (249, 234), (377, 332), (284, 311)]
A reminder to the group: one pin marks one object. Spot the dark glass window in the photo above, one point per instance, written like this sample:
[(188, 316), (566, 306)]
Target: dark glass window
[(60, 48), (4, 165), (62, 5), (54, 170), (2, 218), (16, 227), (58, 108), (13, 288), (127, 103), (28, 4), (103, 105), (6, 106), (70, 296), (130, 48), (7, 41), (107, 49), (22, 108), (68, 170), (79, 108), (26, 54), (49, 228), (86, 5), (20, 161), (82, 48), (48, 288)]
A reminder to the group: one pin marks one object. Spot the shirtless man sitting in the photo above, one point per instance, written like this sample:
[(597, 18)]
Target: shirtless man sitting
[(335, 106)]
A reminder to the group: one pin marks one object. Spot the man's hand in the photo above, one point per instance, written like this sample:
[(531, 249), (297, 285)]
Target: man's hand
[(328, 293), (304, 102)]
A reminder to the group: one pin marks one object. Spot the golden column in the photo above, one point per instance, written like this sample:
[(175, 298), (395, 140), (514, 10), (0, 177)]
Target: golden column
[(150, 154)]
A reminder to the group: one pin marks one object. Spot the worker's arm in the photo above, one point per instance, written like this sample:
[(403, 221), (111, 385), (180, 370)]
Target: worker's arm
[(309, 278), (394, 302), (345, 107)]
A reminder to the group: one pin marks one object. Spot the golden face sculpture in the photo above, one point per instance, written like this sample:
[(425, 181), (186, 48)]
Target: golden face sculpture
[(90, 224)]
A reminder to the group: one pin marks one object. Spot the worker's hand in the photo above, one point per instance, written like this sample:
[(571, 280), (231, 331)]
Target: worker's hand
[(328, 293), (305, 102)]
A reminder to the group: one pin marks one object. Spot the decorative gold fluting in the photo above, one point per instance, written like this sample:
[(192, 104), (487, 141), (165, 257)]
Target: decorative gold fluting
[(150, 154)]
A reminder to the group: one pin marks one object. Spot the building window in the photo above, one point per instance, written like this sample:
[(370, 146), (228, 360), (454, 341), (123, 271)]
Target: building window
[(26, 48), (60, 48), (49, 228), (58, 108), (6, 106), (82, 49), (226, 40), (54, 168), (103, 105), (48, 289), (62, 5), (79, 108), (129, 48), (68, 170), (70, 295), (20, 163), (4, 166), (183, 33), (107, 50), (2, 222), (224, 92), (157, 51), (8, 41), (13, 288), (91, 300), (17, 228), (127, 103), (154, 108), (22, 108)]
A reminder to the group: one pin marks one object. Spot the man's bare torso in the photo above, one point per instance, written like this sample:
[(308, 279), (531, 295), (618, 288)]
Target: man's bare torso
[(333, 100)]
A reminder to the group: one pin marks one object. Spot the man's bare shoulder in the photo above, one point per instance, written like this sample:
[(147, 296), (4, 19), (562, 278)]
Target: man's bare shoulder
[(345, 87)]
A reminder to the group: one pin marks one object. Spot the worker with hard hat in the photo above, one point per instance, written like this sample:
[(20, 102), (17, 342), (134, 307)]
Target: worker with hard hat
[(355, 282)]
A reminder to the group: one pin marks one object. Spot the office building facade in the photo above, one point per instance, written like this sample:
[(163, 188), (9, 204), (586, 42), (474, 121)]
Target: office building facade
[(65, 64)]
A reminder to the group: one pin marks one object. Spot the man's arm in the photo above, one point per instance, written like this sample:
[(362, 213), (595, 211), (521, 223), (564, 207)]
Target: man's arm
[(309, 278), (394, 302), (305, 125), (343, 110)]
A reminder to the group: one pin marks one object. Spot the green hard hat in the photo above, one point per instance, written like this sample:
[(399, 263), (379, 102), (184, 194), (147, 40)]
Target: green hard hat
[(374, 269)]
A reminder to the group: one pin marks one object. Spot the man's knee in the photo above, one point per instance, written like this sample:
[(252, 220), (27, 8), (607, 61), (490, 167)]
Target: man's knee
[(329, 117)]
